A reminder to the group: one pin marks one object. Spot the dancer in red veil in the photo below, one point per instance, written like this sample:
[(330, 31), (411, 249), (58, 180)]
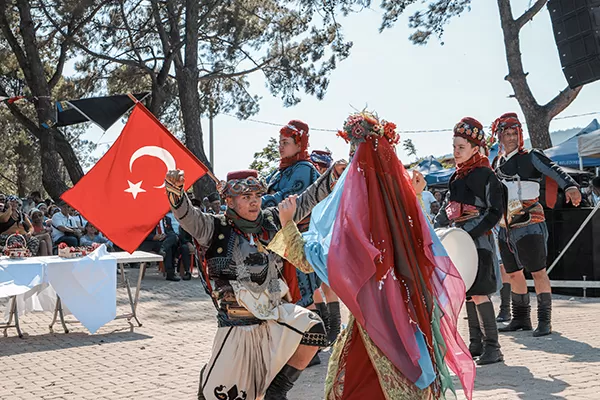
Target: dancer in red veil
[(369, 240)]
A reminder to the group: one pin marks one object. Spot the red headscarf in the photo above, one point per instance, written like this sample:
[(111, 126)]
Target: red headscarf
[(508, 121), (472, 130), (297, 130)]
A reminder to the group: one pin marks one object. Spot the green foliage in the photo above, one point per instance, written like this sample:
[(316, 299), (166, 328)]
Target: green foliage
[(266, 160), (409, 147)]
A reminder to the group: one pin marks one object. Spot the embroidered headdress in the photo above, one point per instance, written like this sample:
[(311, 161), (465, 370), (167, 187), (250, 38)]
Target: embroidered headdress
[(241, 182), (472, 130)]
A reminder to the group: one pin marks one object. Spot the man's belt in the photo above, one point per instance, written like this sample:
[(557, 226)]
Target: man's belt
[(235, 311)]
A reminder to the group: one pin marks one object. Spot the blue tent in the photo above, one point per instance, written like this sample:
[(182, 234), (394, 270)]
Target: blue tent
[(566, 153), (429, 165), (434, 172), (440, 178)]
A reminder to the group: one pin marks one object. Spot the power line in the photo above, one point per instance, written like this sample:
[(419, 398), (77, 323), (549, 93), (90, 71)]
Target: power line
[(257, 121), (401, 131)]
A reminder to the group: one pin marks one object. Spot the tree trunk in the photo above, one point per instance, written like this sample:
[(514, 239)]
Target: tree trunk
[(21, 166), (537, 117), (538, 126), (187, 75), (190, 111), (32, 66), (69, 158)]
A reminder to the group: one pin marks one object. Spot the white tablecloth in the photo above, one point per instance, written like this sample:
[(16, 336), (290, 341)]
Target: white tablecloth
[(87, 286)]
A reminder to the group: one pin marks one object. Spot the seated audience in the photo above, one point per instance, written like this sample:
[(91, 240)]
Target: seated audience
[(14, 222), (92, 235), (63, 228)]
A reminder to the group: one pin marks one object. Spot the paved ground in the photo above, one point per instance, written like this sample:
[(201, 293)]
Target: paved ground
[(162, 359)]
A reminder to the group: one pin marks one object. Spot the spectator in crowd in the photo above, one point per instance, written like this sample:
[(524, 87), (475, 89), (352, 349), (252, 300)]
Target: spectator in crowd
[(215, 203), (36, 197), (27, 205), (41, 232), (52, 209), (198, 204), (170, 245), (434, 208), (92, 235), (13, 221), (592, 193), (77, 219), (63, 228), (153, 241), (185, 249), (438, 196), (206, 205)]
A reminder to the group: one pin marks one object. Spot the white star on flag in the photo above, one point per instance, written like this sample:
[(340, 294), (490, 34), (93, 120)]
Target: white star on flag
[(135, 189)]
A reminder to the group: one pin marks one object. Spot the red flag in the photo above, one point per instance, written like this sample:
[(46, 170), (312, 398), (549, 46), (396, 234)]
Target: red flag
[(124, 194)]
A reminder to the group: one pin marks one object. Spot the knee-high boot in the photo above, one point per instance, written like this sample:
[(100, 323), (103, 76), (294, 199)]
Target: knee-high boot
[(504, 314), (544, 315), (335, 321), (282, 383), (475, 335), (316, 360), (521, 314), (491, 347)]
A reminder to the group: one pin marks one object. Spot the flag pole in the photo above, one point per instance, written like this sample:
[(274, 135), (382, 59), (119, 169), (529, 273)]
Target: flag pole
[(208, 172)]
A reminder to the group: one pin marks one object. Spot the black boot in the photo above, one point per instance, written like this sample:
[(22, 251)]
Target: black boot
[(335, 321), (282, 383), (544, 315), (491, 347), (323, 312), (316, 360), (475, 335), (504, 314), (521, 314), (172, 277)]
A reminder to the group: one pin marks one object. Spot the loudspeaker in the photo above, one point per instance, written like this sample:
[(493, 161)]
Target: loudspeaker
[(583, 257), (576, 26)]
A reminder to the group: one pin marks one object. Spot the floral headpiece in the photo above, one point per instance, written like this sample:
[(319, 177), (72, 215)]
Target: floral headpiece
[(358, 127), (472, 130)]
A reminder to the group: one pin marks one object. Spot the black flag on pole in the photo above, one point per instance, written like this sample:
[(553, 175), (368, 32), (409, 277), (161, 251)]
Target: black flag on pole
[(103, 111)]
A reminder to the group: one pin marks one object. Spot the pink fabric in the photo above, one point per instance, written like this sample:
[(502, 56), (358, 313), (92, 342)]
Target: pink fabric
[(449, 289), (381, 264), (353, 277)]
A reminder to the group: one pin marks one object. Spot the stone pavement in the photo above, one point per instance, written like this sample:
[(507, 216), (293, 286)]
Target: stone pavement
[(162, 359)]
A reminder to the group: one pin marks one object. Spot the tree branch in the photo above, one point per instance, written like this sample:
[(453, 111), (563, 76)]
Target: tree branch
[(64, 47), (561, 101), (129, 33), (219, 75), (529, 14), (10, 37), (516, 75), (22, 118)]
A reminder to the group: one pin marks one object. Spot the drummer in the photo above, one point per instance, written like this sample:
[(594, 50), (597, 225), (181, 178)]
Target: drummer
[(474, 204)]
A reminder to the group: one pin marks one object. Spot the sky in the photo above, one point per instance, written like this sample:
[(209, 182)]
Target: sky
[(417, 87)]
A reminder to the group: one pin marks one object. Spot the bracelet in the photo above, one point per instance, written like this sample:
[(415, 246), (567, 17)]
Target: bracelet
[(175, 194)]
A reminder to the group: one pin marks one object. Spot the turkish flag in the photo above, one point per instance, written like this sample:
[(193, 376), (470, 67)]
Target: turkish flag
[(124, 194)]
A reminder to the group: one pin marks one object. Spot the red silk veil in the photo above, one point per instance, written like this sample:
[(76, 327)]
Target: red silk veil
[(381, 265)]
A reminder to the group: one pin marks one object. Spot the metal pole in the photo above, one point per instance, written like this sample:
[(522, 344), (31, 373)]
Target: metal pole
[(212, 141), (589, 217)]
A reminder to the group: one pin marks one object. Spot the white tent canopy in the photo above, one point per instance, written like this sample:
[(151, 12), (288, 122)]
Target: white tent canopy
[(589, 145)]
